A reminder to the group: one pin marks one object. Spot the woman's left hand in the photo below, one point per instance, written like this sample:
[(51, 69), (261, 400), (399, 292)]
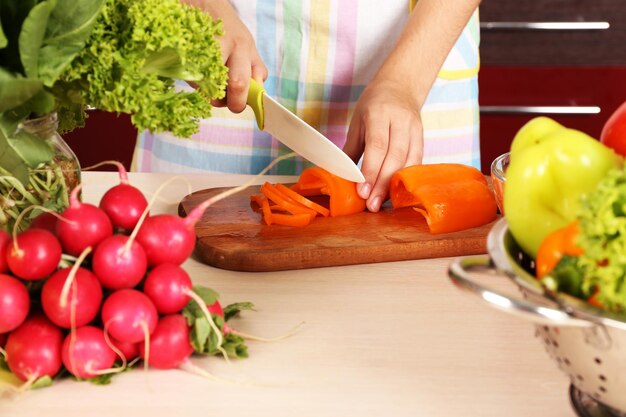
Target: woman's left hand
[(386, 129)]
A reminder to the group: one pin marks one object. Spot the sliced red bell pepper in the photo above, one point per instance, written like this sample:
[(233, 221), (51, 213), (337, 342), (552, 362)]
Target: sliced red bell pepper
[(344, 199), (451, 197), (302, 200), (284, 201), (297, 220)]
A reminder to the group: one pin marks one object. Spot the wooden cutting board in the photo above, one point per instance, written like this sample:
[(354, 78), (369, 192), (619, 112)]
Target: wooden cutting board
[(231, 235)]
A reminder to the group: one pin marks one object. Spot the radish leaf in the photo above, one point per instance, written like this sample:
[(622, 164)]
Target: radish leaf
[(234, 309), (67, 31), (32, 35), (16, 90)]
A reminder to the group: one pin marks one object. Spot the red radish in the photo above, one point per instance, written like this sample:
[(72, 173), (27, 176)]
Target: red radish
[(14, 303), (3, 339), (123, 203), (216, 308), (82, 298), (5, 238), (46, 221), (170, 345), (33, 254), (84, 225), (86, 353), (119, 262), (170, 289), (34, 349), (128, 315), (129, 350), (167, 238), (168, 286)]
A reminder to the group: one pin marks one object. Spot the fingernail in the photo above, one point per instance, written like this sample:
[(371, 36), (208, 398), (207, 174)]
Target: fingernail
[(364, 190), (374, 204)]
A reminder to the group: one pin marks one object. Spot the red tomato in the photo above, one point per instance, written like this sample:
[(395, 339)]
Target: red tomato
[(614, 131)]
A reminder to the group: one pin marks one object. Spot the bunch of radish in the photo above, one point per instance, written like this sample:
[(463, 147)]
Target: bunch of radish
[(96, 289)]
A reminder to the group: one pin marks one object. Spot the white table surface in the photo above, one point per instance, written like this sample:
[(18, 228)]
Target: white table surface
[(389, 339)]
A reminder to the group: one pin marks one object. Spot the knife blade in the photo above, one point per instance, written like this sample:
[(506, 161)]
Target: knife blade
[(300, 137)]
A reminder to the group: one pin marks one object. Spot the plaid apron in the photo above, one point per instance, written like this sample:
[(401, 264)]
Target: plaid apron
[(321, 55)]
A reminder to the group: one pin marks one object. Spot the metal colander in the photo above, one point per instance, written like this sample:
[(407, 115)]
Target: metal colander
[(586, 343)]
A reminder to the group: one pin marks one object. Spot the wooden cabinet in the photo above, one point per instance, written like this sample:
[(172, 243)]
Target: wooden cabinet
[(565, 59)]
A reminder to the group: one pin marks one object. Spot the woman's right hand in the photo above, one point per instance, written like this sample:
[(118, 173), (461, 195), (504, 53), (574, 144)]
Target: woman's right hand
[(239, 53)]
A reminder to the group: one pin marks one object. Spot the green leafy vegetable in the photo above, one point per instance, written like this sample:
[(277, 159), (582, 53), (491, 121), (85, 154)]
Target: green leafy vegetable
[(131, 61), (16, 90), (603, 239), (203, 338), (68, 29), (3, 38), (31, 36), (566, 277), (233, 310)]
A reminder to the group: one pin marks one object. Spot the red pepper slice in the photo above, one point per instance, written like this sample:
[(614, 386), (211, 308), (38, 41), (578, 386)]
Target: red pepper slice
[(451, 197), (344, 199), (284, 201), (297, 220), (302, 200)]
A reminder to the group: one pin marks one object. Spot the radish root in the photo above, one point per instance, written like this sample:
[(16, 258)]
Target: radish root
[(267, 339), (118, 164), (188, 366), (72, 315), (114, 348), (20, 217), (27, 384), (146, 351), (70, 277)]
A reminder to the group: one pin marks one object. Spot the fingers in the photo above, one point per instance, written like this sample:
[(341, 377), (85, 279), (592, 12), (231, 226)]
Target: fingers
[(376, 138), (354, 145), (259, 70), (239, 73), (391, 143)]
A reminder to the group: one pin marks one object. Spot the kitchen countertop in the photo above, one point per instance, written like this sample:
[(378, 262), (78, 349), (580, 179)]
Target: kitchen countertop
[(389, 339)]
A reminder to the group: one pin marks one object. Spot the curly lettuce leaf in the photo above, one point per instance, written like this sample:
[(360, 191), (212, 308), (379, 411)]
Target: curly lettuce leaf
[(603, 239), (136, 52)]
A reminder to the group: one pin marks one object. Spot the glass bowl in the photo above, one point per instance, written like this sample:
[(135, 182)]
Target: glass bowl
[(498, 170)]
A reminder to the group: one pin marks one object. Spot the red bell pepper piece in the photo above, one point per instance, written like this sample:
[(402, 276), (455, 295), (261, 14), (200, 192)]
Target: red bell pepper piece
[(451, 197), (344, 199)]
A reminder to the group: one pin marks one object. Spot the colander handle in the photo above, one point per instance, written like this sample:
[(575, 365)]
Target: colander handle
[(458, 272)]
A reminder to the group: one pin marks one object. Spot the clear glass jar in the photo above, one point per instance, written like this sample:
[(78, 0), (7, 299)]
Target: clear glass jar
[(49, 184)]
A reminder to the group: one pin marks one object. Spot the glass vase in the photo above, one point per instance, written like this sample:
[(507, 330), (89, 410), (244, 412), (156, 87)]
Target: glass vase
[(49, 184)]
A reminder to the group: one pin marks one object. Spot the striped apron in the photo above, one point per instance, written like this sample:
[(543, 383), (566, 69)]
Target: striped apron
[(320, 55)]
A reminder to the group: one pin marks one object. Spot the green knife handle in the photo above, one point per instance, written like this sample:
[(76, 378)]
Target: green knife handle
[(255, 100)]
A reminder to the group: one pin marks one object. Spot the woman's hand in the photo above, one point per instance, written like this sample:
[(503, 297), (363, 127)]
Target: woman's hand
[(239, 53), (386, 129)]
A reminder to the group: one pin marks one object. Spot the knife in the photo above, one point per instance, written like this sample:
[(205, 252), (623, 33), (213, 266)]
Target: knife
[(300, 137)]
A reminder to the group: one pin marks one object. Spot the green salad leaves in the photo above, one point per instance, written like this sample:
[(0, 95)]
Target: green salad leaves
[(136, 51), (603, 238)]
